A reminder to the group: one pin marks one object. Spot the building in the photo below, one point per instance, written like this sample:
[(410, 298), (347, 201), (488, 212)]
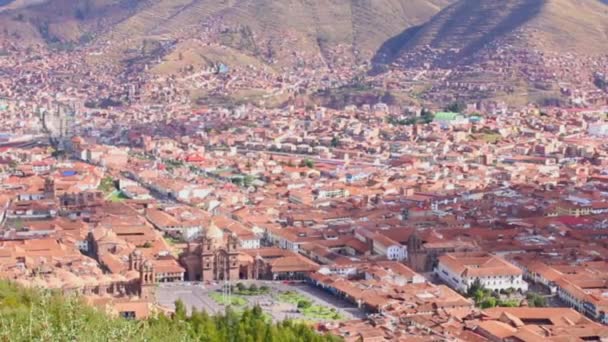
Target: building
[(213, 258), (462, 270)]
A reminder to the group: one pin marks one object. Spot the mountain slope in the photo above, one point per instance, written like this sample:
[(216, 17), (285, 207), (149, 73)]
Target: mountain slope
[(253, 25), (462, 30)]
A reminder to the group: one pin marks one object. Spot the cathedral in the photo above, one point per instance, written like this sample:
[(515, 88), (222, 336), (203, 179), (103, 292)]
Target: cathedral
[(215, 257)]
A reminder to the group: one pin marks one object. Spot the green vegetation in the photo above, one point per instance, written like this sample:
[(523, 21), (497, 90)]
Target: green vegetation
[(291, 297), (321, 313), (308, 308), (107, 185), (241, 290), (172, 240), (335, 142), (117, 196), (456, 107), (243, 180), (32, 315), (307, 163), (234, 300), (536, 300), (172, 164), (485, 298)]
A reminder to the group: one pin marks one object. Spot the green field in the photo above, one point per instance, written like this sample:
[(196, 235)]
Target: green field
[(235, 300), (307, 308)]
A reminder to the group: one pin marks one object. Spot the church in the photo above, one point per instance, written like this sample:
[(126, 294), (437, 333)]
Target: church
[(219, 256), (214, 258)]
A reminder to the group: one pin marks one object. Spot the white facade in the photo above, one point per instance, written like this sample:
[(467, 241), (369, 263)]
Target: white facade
[(396, 252), (461, 282), (250, 243)]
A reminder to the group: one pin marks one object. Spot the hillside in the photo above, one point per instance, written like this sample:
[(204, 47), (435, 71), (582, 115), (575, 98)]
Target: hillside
[(32, 315), (257, 27), (464, 30)]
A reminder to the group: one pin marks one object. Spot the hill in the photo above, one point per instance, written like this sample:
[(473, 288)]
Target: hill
[(257, 27), (468, 28), (33, 315)]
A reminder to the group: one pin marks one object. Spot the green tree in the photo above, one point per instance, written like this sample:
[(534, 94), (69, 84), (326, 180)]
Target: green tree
[(304, 304), (180, 310), (488, 302), (536, 300), (309, 163), (335, 142), (456, 107)]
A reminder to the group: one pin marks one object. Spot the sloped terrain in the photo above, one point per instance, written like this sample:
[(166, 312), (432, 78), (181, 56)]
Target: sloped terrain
[(461, 31), (251, 25)]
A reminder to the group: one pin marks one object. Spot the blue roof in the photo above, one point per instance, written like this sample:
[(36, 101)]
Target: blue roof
[(68, 173)]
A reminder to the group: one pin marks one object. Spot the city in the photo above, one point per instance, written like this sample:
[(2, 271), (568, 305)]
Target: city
[(462, 216)]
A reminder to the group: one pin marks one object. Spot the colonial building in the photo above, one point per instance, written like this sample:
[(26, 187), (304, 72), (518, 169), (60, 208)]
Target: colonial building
[(424, 249), (461, 270), (214, 258), (165, 269)]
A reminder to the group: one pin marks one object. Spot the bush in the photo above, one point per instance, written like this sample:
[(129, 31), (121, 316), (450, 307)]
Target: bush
[(536, 300), (304, 304), (489, 302)]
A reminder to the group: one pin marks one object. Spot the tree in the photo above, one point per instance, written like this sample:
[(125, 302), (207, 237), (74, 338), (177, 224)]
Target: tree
[(335, 142), (456, 107), (488, 302), (536, 300), (309, 163), (304, 304), (180, 310), (474, 288), (253, 288)]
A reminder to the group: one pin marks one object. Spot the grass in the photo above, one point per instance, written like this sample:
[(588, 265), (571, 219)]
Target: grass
[(117, 196), (172, 241), (307, 308), (291, 297), (235, 300), (321, 313)]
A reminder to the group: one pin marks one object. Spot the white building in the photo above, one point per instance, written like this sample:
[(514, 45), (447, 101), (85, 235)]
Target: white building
[(599, 129), (461, 270), (383, 245)]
